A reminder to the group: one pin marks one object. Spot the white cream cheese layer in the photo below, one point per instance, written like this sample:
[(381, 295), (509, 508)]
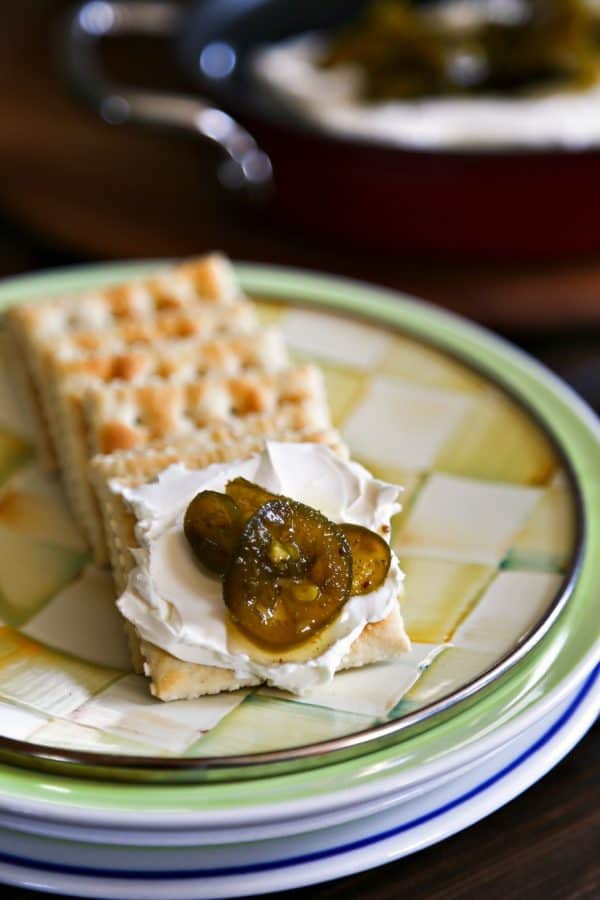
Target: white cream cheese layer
[(179, 607), (331, 98)]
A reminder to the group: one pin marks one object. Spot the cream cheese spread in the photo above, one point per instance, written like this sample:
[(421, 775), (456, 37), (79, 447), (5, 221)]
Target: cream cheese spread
[(174, 604), (331, 99)]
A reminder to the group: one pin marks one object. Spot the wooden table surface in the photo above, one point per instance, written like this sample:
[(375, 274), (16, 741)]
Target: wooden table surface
[(73, 189)]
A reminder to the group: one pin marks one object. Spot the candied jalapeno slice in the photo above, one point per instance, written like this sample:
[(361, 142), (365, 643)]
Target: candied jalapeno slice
[(212, 525), (248, 496), (371, 558), (290, 576)]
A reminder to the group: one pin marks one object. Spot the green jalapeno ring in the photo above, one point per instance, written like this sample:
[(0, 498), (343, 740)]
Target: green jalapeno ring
[(281, 599), (248, 496), (371, 558), (212, 525)]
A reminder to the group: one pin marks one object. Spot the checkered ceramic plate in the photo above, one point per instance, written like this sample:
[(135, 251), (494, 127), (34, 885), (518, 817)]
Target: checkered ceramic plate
[(489, 537)]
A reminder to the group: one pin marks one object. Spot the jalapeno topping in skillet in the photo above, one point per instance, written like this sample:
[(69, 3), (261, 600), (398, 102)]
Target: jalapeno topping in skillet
[(290, 576), (371, 558), (406, 50), (212, 525)]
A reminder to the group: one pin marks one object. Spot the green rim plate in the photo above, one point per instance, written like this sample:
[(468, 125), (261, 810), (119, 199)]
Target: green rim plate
[(570, 641)]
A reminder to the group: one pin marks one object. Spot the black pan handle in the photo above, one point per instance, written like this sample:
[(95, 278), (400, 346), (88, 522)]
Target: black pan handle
[(245, 165)]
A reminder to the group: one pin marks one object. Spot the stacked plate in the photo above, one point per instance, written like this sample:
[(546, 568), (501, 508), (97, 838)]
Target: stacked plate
[(105, 792)]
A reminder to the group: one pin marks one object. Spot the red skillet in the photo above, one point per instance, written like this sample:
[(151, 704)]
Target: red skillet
[(493, 203)]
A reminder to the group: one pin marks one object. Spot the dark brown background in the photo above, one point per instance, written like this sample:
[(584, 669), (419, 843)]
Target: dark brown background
[(73, 189)]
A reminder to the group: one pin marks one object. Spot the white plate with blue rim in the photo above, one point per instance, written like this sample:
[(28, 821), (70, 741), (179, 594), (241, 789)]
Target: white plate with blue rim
[(412, 357), (194, 873)]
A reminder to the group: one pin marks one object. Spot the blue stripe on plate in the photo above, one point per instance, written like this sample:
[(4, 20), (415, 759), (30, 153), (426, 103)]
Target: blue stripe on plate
[(316, 856)]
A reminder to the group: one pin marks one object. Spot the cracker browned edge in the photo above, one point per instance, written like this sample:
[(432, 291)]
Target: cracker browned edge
[(213, 278)]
